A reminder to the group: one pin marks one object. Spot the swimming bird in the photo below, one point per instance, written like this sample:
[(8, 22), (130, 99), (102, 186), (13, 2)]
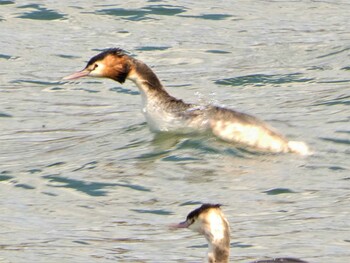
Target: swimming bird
[(163, 112), (209, 220)]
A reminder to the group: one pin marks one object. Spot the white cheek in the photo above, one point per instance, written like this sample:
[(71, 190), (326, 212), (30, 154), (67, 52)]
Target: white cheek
[(196, 226), (98, 72)]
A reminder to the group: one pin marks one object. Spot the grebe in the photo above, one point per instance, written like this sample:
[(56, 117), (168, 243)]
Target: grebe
[(210, 221), (166, 113)]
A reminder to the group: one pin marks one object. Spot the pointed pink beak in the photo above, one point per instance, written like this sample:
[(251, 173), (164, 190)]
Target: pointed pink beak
[(77, 75), (180, 225)]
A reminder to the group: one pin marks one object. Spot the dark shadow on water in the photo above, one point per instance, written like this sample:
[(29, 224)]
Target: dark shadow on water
[(191, 203), (88, 187), (125, 91), (143, 13), (278, 191), (156, 212), (40, 13), (165, 10)]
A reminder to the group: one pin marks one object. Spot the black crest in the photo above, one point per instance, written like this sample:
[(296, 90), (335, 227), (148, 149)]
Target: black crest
[(106, 52), (195, 213)]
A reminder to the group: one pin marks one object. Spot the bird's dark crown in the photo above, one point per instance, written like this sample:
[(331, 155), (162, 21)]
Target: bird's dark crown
[(105, 53), (195, 213)]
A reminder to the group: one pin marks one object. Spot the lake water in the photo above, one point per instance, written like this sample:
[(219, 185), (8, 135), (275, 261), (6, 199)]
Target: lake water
[(82, 179)]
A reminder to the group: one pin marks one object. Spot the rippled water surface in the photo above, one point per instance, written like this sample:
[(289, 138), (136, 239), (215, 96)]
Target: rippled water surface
[(83, 179)]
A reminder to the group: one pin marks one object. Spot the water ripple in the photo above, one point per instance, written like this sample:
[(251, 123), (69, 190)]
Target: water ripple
[(141, 14), (165, 10), (278, 191), (56, 164), (334, 53), (156, 212), (124, 91), (25, 186), (216, 51), (190, 203), (5, 177), (152, 48), (263, 79), (36, 82), (4, 2), (5, 115), (340, 100), (7, 57), (88, 187), (87, 166), (177, 158), (134, 13), (341, 141), (209, 16), (41, 13)]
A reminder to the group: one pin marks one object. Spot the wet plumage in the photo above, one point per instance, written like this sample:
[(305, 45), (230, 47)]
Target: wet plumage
[(163, 112)]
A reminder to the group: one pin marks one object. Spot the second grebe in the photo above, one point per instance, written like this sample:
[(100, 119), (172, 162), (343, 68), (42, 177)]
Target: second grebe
[(209, 221), (166, 113)]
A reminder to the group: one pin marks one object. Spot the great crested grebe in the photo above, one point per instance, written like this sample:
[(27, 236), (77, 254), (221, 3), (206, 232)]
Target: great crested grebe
[(209, 220), (166, 113)]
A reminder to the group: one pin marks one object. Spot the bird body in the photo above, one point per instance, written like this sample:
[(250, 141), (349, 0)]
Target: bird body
[(209, 221), (163, 112)]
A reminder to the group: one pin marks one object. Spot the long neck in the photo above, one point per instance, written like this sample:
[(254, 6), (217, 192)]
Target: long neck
[(154, 96), (147, 81), (218, 238)]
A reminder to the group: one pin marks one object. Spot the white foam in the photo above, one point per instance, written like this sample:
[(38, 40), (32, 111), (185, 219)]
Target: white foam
[(299, 147)]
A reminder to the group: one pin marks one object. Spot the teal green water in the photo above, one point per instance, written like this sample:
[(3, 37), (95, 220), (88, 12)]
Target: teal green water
[(40, 13), (82, 178)]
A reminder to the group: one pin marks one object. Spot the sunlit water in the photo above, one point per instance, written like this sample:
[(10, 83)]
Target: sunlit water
[(83, 179)]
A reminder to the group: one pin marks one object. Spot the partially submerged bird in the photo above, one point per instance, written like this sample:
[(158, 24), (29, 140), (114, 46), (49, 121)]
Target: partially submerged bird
[(209, 220), (166, 113)]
